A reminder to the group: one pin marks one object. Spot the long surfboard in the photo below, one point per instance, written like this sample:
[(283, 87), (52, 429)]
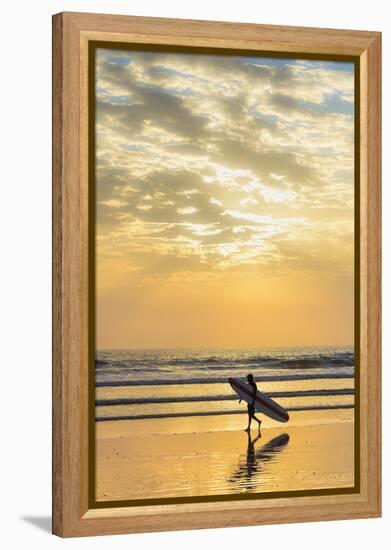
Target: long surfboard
[(262, 402)]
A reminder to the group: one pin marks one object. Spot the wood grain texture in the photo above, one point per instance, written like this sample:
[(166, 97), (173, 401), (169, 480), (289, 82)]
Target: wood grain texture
[(57, 275), (69, 323), (71, 513), (372, 260), (223, 34)]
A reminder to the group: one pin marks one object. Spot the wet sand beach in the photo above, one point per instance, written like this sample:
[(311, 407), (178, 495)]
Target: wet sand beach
[(182, 457)]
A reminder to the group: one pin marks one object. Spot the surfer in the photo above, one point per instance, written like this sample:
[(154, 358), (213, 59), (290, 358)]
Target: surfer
[(251, 406), (257, 401)]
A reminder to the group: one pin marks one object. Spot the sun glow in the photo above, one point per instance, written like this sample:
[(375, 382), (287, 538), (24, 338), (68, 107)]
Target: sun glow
[(225, 212)]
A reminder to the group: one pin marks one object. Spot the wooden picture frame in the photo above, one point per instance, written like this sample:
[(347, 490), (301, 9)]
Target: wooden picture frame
[(73, 514)]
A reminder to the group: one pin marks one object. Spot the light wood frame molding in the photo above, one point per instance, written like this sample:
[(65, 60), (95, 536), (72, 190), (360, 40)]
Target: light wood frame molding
[(72, 514)]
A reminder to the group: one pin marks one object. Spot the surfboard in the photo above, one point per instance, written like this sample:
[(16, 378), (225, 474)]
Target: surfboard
[(262, 403)]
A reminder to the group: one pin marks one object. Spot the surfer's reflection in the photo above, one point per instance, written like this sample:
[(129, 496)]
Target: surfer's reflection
[(252, 465)]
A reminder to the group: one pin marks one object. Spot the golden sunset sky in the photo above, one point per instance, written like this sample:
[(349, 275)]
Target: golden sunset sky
[(224, 201)]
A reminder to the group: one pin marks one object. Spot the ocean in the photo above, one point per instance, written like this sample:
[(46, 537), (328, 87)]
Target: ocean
[(173, 383)]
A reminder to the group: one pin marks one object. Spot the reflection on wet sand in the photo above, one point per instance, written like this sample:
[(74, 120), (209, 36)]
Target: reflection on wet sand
[(247, 476), (183, 457)]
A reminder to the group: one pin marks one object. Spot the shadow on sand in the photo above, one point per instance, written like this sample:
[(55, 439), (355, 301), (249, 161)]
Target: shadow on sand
[(247, 474)]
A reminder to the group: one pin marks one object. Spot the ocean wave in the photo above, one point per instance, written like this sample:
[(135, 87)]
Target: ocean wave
[(193, 364), (205, 398), (101, 363), (213, 413), (220, 380), (212, 363)]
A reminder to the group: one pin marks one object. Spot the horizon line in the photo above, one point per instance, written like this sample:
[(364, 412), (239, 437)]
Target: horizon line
[(227, 347)]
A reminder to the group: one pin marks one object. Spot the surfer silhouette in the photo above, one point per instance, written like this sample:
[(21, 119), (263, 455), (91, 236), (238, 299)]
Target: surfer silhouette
[(251, 406)]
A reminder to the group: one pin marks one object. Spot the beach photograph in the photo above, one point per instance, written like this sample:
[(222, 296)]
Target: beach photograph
[(225, 338)]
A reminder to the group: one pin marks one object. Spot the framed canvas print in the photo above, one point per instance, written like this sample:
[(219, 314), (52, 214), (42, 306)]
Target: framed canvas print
[(216, 294)]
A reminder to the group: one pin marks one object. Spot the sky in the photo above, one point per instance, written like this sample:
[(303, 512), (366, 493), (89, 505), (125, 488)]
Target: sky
[(224, 201)]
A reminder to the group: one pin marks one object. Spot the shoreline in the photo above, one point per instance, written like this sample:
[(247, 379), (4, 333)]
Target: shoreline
[(197, 457)]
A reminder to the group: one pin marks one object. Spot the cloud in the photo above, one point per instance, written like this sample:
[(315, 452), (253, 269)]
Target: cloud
[(187, 210), (212, 163)]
